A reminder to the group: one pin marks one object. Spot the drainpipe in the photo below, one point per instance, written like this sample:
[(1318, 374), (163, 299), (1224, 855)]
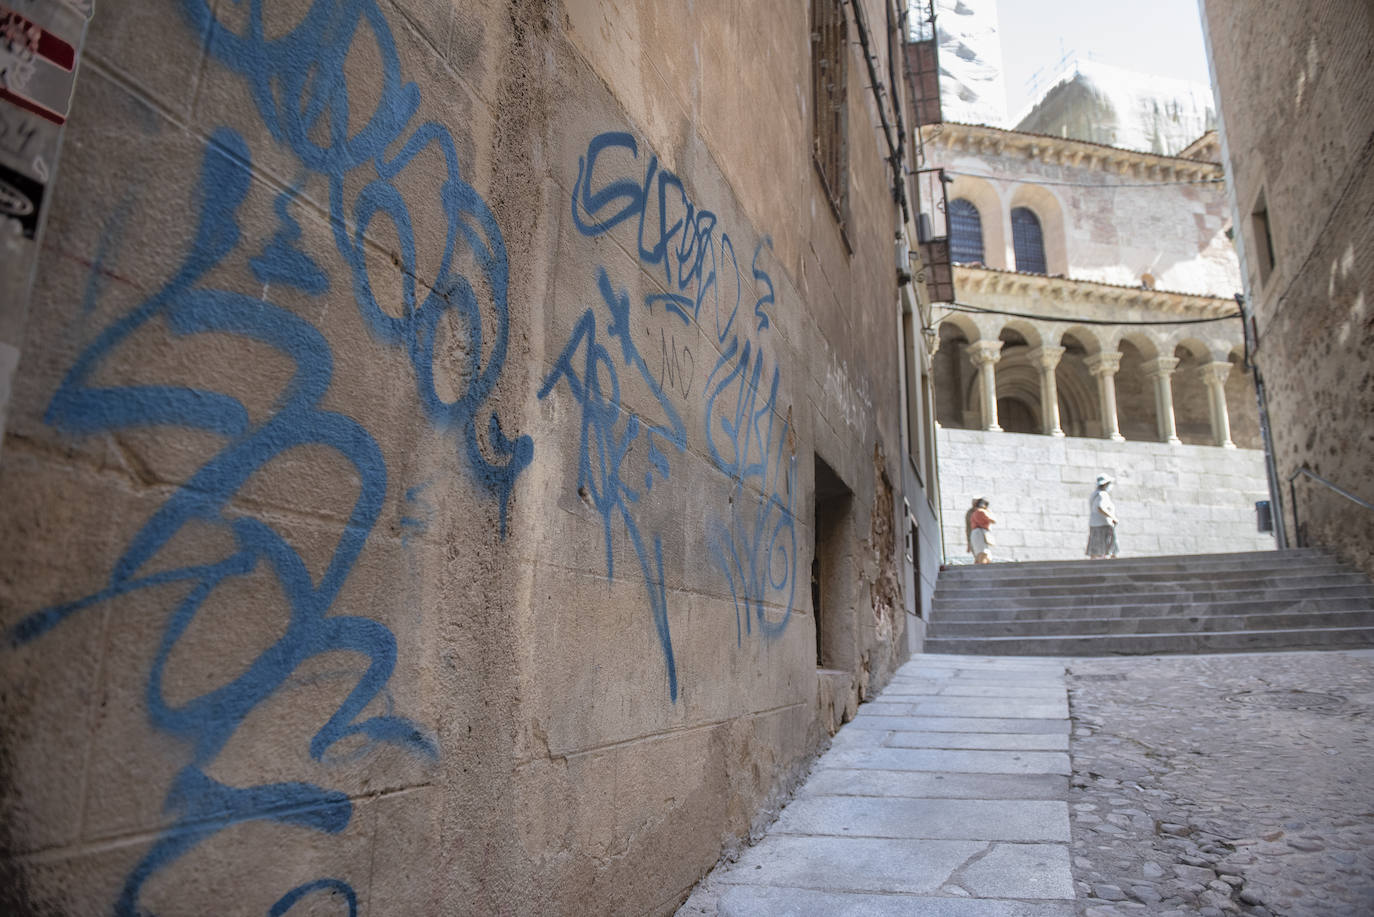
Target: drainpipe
[(1271, 469)]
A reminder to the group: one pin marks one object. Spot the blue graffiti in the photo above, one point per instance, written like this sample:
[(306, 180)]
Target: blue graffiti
[(609, 433), (421, 513), (755, 547), (299, 84), (333, 886)]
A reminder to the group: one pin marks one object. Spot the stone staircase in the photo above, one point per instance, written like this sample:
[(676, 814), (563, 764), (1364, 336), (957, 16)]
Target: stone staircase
[(1203, 603)]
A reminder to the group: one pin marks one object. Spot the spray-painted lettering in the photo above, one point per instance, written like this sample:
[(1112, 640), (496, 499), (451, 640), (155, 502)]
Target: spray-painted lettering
[(747, 435), (299, 84)]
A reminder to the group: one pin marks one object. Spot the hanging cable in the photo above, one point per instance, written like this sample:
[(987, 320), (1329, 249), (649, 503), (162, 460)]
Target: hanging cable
[(965, 307)]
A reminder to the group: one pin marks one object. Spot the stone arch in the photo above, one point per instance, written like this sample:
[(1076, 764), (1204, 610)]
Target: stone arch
[(984, 195), (1136, 409), (951, 373), (1018, 381), (1192, 413), (1018, 394), (1079, 412), (1032, 334), (1201, 350), (1088, 339), (969, 326), (1142, 340), (1045, 204)]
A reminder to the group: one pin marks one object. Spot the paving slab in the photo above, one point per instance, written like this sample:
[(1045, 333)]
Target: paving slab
[(992, 741), (945, 819), (853, 863), (986, 706), (959, 724), (945, 797), (969, 762), (1019, 870), (839, 781), (751, 901), (984, 689), (887, 708), (1007, 676)]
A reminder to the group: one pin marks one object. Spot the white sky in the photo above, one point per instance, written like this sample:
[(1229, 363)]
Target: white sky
[(1159, 37)]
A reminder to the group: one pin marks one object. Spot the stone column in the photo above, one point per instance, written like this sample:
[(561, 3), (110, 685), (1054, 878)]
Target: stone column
[(1047, 359), (1214, 376), (1160, 372), (984, 355), (1104, 366)]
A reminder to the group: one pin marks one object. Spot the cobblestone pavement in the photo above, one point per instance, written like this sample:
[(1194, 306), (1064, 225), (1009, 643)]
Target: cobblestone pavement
[(1223, 785)]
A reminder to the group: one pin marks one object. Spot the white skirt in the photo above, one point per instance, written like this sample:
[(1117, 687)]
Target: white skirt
[(980, 540), (1101, 541)]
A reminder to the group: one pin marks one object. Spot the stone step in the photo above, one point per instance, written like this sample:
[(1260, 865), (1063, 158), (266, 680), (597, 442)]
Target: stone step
[(1244, 641), (1200, 604), (998, 574), (1132, 606), (1181, 561), (1178, 624), (1308, 576), (959, 601)]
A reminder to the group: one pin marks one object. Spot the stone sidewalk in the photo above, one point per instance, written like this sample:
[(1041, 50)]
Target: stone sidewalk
[(945, 797)]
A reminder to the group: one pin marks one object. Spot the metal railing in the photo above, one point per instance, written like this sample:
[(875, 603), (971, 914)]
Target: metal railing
[(1299, 534)]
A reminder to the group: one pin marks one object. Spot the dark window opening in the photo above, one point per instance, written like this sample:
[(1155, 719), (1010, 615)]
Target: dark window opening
[(829, 70), (1264, 239), (913, 556), (911, 395), (1028, 240), (965, 232), (831, 573)]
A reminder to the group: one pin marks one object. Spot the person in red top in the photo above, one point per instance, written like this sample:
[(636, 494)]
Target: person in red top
[(977, 522)]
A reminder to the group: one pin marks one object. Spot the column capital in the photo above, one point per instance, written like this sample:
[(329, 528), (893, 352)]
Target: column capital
[(982, 353), (1105, 363), (1215, 373), (1160, 367), (1045, 357)]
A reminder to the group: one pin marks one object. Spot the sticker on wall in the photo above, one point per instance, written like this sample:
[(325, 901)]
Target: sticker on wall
[(37, 67), (21, 198)]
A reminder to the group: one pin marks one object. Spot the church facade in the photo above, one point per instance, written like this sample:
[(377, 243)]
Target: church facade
[(1091, 328)]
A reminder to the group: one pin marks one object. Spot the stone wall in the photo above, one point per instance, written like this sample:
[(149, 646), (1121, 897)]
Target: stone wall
[(1296, 90), (1170, 499), (1107, 215), (408, 489)]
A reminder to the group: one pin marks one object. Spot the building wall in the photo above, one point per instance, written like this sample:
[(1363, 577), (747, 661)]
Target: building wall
[(410, 514), (1170, 499), (1296, 92), (1108, 215)]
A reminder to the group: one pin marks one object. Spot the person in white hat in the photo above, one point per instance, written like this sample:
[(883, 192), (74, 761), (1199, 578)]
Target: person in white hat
[(1102, 520)]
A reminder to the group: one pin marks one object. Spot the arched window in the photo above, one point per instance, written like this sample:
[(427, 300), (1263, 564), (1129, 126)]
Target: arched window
[(1028, 241), (965, 232)]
